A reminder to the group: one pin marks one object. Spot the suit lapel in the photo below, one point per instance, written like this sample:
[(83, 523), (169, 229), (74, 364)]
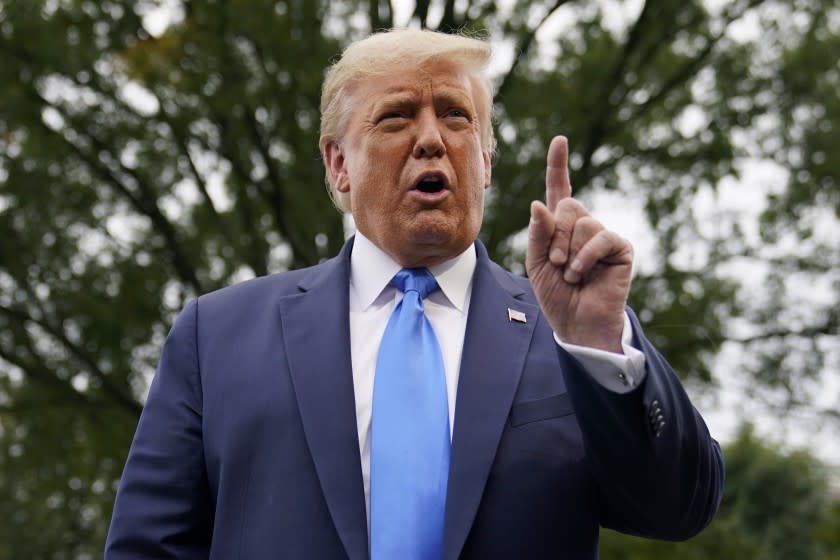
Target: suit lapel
[(317, 337), (493, 357)]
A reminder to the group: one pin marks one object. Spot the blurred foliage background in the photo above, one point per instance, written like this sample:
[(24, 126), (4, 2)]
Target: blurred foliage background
[(153, 150)]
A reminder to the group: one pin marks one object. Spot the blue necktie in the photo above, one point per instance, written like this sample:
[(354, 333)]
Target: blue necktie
[(410, 431)]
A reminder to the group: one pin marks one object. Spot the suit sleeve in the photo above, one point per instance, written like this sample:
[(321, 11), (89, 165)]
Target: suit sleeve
[(660, 474), (163, 507)]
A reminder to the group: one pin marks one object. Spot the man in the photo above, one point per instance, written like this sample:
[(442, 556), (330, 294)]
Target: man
[(272, 430)]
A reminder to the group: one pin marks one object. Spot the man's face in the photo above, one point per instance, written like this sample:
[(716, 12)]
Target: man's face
[(413, 163)]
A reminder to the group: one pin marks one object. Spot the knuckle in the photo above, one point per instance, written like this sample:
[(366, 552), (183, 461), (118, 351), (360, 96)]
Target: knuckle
[(610, 237), (570, 206), (586, 230), (563, 229), (619, 243), (590, 224)]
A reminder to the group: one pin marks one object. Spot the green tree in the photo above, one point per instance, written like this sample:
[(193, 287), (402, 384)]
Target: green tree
[(139, 169), (776, 506), (827, 531)]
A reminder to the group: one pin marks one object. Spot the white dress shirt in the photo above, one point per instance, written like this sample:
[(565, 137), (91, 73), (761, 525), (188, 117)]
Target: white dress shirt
[(373, 299)]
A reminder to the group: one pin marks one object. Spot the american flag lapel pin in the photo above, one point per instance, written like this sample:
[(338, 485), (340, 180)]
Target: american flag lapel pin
[(518, 316)]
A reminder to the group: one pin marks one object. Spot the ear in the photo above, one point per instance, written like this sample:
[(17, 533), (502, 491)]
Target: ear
[(488, 167), (336, 166)]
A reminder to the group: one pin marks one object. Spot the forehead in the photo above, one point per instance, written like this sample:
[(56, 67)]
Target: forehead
[(442, 78)]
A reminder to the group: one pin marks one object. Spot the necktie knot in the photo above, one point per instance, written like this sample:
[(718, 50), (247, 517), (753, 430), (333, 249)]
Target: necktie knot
[(418, 280)]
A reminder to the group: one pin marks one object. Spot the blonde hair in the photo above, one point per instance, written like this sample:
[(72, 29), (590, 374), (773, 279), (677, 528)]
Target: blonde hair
[(380, 54)]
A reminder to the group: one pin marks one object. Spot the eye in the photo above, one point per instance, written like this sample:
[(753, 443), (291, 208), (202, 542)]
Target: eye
[(457, 113), (391, 115)]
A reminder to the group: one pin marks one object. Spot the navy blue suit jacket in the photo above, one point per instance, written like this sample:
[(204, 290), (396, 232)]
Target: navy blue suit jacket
[(248, 448)]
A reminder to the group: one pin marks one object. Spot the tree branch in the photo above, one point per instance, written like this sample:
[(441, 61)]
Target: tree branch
[(273, 193), (255, 259), (181, 139), (180, 261), (827, 329), (125, 401), (449, 23), (375, 13), (679, 77), (687, 70), (522, 48), (181, 142), (145, 205), (41, 373), (389, 20), (255, 252), (421, 12), (598, 126)]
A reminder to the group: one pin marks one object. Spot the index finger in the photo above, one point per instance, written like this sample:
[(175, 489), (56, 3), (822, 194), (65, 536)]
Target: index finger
[(557, 184)]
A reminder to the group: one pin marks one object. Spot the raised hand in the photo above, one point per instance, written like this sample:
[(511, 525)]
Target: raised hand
[(580, 271)]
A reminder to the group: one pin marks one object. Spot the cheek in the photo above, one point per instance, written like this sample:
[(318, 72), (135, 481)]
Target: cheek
[(482, 172), (478, 204), (370, 197), (379, 161)]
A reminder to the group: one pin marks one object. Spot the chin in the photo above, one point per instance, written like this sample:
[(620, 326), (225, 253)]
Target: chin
[(439, 244), (428, 230)]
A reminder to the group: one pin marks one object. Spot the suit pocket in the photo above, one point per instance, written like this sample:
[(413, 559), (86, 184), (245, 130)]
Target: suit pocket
[(541, 409)]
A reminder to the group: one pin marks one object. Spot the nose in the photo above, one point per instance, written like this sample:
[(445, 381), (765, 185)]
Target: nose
[(428, 142)]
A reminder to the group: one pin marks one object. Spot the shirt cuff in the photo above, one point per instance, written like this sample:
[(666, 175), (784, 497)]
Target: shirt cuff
[(616, 372)]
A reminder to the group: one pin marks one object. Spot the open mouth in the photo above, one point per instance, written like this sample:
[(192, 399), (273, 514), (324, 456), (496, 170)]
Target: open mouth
[(430, 185)]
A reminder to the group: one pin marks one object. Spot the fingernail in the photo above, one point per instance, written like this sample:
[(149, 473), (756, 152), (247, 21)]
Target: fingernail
[(571, 276), (557, 256), (577, 265)]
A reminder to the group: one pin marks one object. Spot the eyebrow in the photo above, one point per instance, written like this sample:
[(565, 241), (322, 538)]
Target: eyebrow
[(456, 95), (396, 97), (392, 101)]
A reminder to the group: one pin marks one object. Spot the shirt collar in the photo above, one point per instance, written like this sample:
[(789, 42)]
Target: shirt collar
[(371, 269)]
